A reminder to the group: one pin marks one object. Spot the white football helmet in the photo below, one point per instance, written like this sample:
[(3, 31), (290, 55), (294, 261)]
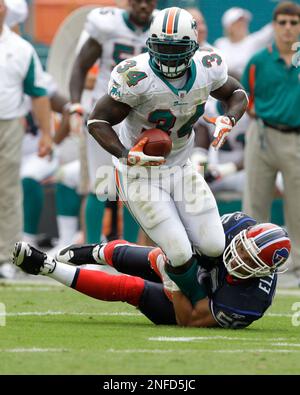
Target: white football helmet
[(257, 251), (173, 41)]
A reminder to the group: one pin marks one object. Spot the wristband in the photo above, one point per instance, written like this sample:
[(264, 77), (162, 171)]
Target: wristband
[(76, 107), (232, 120), (124, 153)]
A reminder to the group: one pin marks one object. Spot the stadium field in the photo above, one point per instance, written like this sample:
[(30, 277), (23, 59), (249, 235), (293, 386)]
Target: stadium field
[(50, 329)]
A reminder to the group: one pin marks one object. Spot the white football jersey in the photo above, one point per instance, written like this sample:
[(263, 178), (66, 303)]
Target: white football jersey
[(156, 103), (119, 39), (233, 148)]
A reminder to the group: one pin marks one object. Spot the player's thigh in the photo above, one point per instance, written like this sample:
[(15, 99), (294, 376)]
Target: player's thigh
[(155, 211), (199, 213)]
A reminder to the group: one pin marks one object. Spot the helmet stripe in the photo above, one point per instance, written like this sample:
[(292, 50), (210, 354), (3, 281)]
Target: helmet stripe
[(164, 27), (269, 236), (176, 20), (170, 28)]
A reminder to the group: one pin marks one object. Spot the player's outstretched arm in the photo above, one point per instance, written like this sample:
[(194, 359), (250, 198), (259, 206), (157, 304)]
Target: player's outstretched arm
[(198, 315), (235, 98), (108, 112), (88, 55)]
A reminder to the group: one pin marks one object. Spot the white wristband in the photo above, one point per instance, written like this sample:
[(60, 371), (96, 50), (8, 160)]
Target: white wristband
[(243, 91), (91, 121)]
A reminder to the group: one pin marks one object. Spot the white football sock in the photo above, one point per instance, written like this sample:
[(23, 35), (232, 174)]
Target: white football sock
[(63, 273)]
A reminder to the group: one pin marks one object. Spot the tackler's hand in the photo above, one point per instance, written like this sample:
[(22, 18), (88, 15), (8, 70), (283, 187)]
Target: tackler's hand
[(223, 127)]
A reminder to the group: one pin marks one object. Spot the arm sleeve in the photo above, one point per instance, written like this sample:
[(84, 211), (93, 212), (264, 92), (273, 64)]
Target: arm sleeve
[(234, 306), (34, 81), (218, 72), (100, 23), (228, 318)]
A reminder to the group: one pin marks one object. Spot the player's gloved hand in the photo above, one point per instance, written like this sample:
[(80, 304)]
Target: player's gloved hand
[(223, 127), (219, 170), (136, 157), (76, 112)]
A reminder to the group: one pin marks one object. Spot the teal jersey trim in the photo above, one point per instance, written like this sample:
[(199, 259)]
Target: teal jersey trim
[(29, 82), (189, 83), (132, 26)]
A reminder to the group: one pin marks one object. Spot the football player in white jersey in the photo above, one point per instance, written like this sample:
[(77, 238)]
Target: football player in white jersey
[(167, 88), (114, 35)]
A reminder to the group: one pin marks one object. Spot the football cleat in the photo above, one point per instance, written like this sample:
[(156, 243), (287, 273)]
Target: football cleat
[(81, 254), (157, 260), (31, 260)]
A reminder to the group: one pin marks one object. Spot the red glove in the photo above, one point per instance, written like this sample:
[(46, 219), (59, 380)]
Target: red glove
[(223, 127)]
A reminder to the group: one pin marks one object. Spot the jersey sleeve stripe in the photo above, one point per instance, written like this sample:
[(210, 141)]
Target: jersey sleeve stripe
[(248, 312)]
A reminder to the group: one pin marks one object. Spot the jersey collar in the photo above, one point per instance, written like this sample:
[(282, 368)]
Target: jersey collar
[(132, 26), (189, 83)]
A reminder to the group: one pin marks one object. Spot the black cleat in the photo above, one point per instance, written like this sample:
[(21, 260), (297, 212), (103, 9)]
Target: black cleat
[(31, 260), (80, 254)]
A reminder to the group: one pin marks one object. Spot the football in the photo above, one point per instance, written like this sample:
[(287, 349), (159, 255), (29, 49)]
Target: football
[(159, 142)]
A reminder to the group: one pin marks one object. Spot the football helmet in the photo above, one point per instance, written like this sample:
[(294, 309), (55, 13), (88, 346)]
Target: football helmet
[(173, 41), (257, 251)]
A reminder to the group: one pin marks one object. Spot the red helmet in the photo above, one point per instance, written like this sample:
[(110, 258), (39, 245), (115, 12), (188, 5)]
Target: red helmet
[(257, 251)]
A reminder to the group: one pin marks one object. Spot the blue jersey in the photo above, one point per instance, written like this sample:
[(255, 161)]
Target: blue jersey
[(236, 303)]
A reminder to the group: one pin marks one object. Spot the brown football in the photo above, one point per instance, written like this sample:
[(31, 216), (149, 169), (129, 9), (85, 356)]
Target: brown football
[(159, 142)]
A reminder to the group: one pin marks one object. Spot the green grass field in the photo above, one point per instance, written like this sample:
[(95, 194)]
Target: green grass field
[(51, 329)]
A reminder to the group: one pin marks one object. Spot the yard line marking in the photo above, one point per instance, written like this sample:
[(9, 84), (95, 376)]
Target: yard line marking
[(46, 281), (286, 344), (260, 350), (278, 315), (138, 350), (45, 313), (34, 349), (288, 292), (39, 289), (192, 338), (254, 350)]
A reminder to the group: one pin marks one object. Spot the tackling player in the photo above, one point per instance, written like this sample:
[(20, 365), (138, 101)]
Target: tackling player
[(238, 286), (167, 88)]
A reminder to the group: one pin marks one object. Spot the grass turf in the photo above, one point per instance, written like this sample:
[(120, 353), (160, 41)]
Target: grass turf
[(55, 330)]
